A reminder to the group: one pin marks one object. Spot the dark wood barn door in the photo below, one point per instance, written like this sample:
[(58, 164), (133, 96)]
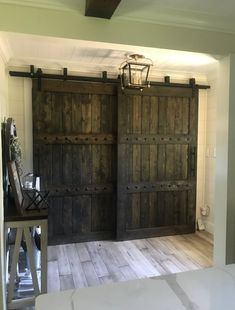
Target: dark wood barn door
[(74, 132), (157, 146)]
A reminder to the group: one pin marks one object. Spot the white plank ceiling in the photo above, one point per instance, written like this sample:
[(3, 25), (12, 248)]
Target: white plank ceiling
[(91, 58)]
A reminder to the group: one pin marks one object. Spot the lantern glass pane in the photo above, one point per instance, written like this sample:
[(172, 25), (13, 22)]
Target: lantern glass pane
[(138, 74)]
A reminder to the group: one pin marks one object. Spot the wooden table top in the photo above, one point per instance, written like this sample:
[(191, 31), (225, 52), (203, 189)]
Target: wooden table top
[(11, 213)]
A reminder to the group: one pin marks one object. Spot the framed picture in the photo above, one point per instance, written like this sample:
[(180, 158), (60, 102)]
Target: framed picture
[(16, 186)]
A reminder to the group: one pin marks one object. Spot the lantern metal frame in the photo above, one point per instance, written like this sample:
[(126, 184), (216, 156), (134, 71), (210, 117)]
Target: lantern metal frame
[(134, 72)]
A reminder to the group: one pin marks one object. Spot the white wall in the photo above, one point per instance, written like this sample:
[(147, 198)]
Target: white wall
[(210, 154), (224, 250), (3, 113), (20, 109), (230, 221), (202, 108)]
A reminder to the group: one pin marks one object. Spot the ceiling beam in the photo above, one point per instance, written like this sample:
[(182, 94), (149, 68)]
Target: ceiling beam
[(101, 8)]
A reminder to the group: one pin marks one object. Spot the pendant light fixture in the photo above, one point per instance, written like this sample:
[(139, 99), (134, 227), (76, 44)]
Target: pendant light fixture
[(134, 72)]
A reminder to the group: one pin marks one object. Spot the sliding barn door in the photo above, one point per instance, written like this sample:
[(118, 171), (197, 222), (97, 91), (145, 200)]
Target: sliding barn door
[(74, 133), (157, 147)]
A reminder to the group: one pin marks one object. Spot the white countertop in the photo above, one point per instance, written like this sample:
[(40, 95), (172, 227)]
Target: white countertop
[(208, 289)]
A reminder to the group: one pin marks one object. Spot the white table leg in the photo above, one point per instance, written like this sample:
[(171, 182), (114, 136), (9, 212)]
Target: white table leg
[(28, 239), (44, 256), (14, 264)]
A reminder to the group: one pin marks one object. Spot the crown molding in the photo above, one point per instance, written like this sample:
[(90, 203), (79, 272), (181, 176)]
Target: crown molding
[(52, 5), (181, 23), (163, 16)]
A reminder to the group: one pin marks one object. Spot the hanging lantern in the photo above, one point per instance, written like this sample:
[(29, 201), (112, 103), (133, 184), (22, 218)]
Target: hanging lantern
[(135, 72)]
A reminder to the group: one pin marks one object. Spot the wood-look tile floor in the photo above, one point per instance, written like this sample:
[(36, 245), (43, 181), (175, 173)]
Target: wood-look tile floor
[(94, 263)]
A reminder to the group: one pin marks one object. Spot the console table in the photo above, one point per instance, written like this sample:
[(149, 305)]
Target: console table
[(23, 224)]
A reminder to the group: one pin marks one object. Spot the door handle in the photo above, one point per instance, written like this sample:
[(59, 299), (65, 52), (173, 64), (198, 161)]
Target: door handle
[(193, 153)]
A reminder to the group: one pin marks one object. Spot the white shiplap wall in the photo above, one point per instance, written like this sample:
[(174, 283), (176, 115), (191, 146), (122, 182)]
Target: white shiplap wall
[(3, 114)]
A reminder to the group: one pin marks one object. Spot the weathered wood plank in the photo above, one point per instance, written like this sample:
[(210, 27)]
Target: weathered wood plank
[(122, 168), (170, 162), (160, 216), (152, 210), (67, 215), (111, 266), (145, 163), (129, 116), (66, 282), (96, 114), (128, 272), (36, 110), (53, 282), (99, 265), (169, 209), (144, 210), (122, 114), (162, 115), (102, 209), (153, 126), (179, 116), (67, 113), (137, 112), (135, 211), (78, 274), (183, 212), (76, 157), (193, 115), (67, 166), (170, 115), (145, 269), (81, 221), (96, 159), (57, 216), (153, 163), (161, 163), (56, 112), (185, 116), (106, 114), (57, 175), (86, 100), (76, 87), (45, 165), (184, 161), (82, 251), (63, 262), (84, 221), (178, 162), (76, 113), (136, 168), (90, 273), (162, 91), (51, 253), (191, 207), (113, 114), (86, 164)]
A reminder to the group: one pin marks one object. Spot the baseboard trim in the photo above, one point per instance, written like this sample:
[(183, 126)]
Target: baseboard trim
[(209, 226)]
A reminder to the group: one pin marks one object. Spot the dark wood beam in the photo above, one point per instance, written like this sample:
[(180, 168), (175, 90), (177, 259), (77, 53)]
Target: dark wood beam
[(101, 8)]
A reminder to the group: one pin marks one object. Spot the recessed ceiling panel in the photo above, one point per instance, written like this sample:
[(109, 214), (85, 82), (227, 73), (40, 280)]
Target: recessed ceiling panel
[(93, 57)]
